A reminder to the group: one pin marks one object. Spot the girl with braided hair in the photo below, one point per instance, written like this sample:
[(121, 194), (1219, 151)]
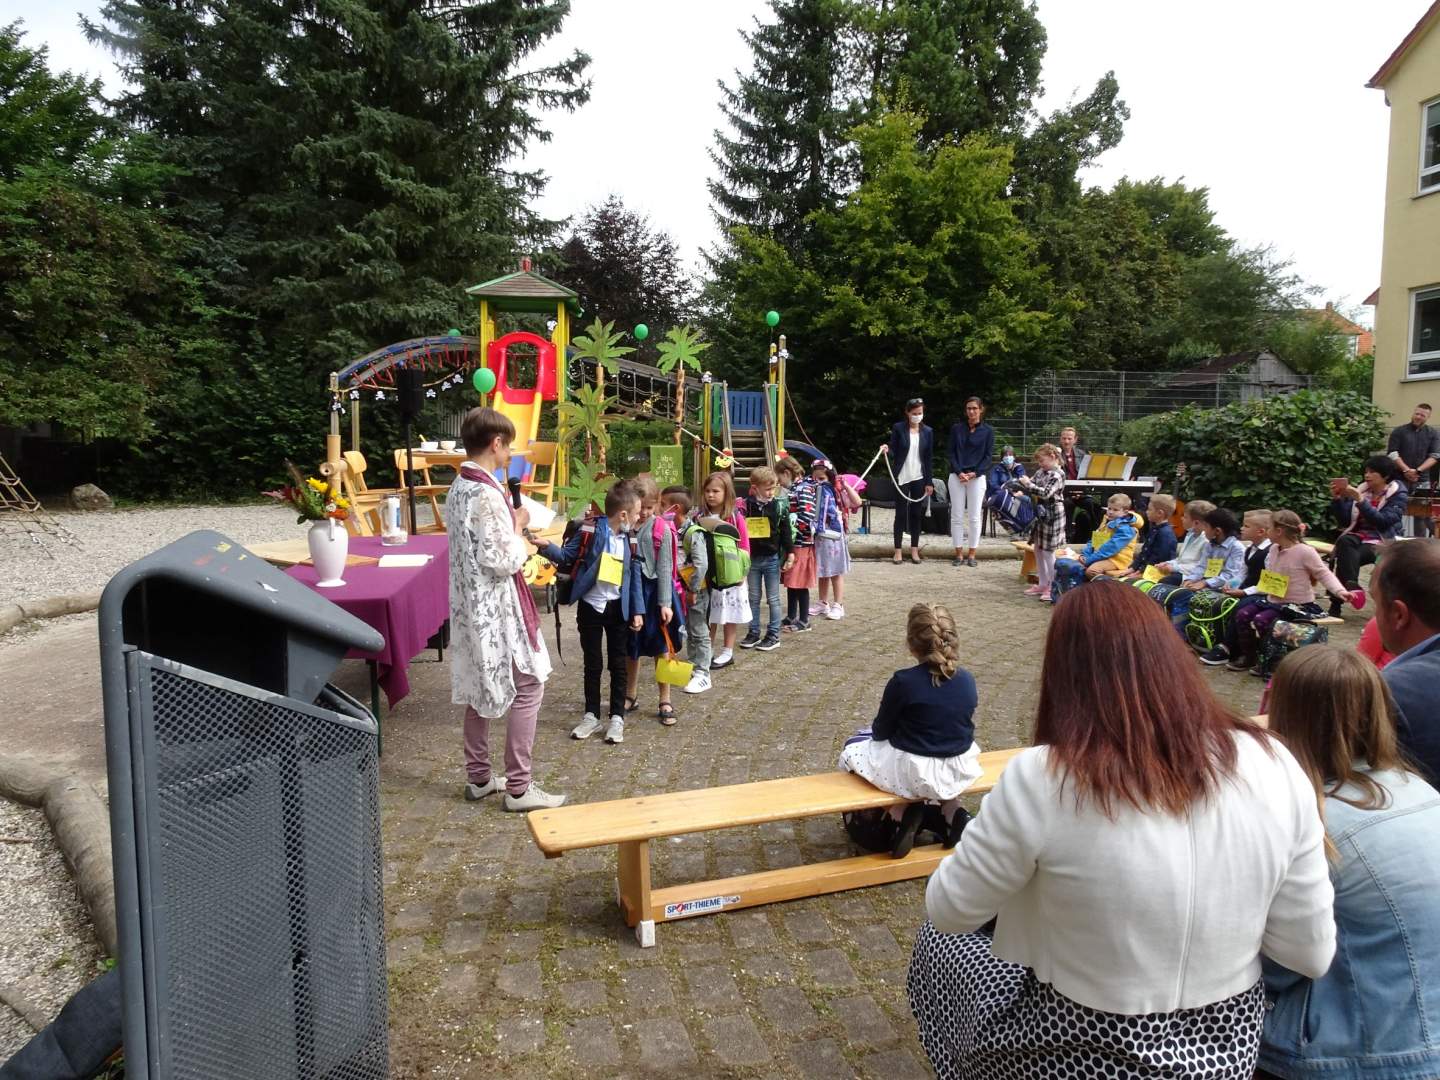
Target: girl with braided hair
[(921, 744)]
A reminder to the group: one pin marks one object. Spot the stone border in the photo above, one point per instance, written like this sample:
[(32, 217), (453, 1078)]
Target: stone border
[(12, 615), (80, 822)]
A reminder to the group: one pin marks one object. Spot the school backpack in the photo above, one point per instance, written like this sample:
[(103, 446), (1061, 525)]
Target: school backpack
[(729, 562), (1284, 638), (565, 578), (1210, 613), (658, 530), (1158, 591)]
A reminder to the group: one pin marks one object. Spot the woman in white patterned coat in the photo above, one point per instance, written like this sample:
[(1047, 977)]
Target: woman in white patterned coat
[(498, 659)]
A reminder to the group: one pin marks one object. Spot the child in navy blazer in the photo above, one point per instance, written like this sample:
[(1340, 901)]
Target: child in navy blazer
[(604, 611)]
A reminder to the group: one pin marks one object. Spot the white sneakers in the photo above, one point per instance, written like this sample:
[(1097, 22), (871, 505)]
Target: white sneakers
[(615, 733), (820, 607), (723, 658), (474, 792), (835, 611), (586, 727), (535, 798), (699, 682)]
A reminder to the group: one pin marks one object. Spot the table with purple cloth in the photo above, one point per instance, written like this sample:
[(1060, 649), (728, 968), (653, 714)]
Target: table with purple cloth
[(407, 604)]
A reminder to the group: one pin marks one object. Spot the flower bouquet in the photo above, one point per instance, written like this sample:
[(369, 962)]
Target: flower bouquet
[(320, 502)]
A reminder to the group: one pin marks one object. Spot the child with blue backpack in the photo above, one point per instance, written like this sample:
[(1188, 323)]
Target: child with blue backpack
[(609, 602)]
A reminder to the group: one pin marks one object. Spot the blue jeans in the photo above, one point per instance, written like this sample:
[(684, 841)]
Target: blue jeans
[(764, 569)]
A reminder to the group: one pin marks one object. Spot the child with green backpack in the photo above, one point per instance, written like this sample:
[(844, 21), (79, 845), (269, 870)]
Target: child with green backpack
[(729, 549)]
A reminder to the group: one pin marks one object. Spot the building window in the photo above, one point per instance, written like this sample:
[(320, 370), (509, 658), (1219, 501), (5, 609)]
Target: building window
[(1430, 147), (1425, 334)]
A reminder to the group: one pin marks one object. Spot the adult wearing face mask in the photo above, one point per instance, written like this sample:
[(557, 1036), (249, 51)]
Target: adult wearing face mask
[(911, 448), (1012, 509)]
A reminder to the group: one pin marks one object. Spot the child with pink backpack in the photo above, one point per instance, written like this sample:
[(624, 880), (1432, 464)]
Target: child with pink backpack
[(658, 550)]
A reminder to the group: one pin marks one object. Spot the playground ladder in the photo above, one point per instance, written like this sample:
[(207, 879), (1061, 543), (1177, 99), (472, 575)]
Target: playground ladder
[(22, 517)]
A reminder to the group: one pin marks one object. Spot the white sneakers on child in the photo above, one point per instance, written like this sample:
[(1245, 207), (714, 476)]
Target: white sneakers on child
[(723, 658), (699, 683), (586, 727), (820, 607), (474, 792), (615, 733), (835, 611)]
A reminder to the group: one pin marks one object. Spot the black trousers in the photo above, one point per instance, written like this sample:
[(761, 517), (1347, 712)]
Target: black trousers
[(608, 625), (1084, 516), (1350, 555), (909, 516)]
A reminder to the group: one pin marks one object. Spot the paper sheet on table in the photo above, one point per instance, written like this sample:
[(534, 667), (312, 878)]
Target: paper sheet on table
[(541, 516), (388, 561)]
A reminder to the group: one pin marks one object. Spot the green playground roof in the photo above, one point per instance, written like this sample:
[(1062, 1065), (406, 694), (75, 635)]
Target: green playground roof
[(525, 290)]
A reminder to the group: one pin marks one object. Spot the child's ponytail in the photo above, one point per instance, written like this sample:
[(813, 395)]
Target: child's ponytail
[(934, 641)]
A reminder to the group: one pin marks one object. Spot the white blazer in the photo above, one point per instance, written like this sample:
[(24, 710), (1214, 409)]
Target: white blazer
[(1147, 912)]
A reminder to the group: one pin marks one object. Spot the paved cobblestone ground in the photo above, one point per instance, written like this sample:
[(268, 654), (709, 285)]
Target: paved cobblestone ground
[(502, 960)]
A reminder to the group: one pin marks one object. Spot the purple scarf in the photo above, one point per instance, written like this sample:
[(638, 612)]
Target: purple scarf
[(471, 471)]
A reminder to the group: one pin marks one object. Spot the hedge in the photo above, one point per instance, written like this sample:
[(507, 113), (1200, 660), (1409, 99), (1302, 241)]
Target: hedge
[(1276, 453)]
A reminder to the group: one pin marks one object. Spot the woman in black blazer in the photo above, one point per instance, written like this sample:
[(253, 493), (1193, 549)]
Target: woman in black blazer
[(911, 447)]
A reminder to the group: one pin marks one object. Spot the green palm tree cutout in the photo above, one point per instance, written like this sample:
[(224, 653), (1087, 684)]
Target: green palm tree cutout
[(584, 414), (587, 485), (600, 343), (682, 346)]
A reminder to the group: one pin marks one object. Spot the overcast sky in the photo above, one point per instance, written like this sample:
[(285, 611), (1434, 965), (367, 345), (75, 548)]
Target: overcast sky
[(1262, 101)]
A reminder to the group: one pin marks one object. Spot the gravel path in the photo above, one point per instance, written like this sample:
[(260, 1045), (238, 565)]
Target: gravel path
[(111, 540), (47, 949)]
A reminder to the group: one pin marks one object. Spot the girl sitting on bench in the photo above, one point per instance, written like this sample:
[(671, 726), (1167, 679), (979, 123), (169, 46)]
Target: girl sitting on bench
[(921, 743)]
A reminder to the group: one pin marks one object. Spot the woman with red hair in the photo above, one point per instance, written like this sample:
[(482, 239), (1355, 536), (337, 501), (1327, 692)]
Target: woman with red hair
[(1138, 861)]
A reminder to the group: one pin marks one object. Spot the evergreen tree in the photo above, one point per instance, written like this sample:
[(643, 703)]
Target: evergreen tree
[(626, 271), (791, 116)]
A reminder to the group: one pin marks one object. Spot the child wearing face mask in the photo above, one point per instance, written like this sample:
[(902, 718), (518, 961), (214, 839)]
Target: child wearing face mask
[(610, 603)]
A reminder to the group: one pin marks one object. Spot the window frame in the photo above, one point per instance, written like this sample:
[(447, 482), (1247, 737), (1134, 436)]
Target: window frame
[(1424, 171), (1427, 292)]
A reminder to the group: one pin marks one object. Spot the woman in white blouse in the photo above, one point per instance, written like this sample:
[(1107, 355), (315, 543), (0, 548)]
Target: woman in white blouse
[(1141, 858)]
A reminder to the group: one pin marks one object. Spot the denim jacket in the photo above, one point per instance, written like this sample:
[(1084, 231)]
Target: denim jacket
[(1376, 1013)]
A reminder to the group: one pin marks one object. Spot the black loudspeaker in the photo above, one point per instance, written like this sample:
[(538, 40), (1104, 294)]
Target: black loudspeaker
[(409, 392)]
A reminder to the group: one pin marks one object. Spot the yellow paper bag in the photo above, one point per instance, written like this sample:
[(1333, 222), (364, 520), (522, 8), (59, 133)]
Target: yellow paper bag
[(612, 570), (1152, 573), (1273, 584), (1213, 567), (670, 669)]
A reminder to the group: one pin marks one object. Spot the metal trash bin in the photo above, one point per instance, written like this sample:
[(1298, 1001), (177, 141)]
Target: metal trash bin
[(245, 821)]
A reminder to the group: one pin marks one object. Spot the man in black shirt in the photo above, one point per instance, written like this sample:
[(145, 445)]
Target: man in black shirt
[(1415, 447)]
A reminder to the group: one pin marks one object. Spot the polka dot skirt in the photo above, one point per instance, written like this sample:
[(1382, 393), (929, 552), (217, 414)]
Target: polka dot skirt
[(982, 1017)]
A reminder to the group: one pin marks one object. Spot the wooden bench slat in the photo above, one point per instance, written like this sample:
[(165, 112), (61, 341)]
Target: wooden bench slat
[(619, 821), (791, 883)]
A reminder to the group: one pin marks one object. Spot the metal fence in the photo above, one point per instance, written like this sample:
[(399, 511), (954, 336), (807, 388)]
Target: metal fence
[(1098, 404)]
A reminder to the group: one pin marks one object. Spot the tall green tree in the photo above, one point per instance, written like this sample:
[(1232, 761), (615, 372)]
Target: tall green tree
[(626, 270), (922, 281), (98, 311)]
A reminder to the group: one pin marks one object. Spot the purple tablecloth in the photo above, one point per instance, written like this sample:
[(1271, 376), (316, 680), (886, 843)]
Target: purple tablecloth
[(406, 604)]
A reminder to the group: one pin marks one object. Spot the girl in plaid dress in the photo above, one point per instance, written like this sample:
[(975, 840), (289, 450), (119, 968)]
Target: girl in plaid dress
[(1047, 488)]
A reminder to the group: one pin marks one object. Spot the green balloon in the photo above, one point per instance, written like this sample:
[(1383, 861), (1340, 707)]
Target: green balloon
[(641, 332), (452, 332), (484, 380), (772, 318)]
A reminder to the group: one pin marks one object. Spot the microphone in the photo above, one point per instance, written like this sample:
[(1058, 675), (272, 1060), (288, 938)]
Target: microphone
[(514, 484)]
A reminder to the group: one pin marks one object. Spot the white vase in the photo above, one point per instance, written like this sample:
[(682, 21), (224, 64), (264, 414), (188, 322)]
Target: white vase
[(329, 544)]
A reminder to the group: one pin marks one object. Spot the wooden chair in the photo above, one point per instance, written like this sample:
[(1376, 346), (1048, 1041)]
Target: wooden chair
[(364, 500), (425, 489), (631, 824), (541, 454)]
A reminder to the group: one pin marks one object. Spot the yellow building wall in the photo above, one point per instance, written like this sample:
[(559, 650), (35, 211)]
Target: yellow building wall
[(1411, 258)]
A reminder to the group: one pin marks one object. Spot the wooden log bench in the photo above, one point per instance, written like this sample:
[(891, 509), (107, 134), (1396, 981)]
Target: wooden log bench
[(631, 824), (1027, 560)]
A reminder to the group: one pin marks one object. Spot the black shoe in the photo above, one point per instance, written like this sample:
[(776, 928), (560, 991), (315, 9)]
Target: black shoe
[(934, 823), (909, 826), (956, 827), (769, 644), (1336, 607), (1216, 656), (751, 640)]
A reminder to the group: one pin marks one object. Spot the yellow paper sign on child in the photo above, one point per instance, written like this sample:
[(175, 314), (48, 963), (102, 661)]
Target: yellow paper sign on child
[(1213, 567), (612, 570), (1152, 573), (1273, 584), (758, 527)]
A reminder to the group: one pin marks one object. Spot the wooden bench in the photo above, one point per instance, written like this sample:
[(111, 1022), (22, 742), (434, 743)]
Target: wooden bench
[(1322, 546), (1027, 560), (631, 824)]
